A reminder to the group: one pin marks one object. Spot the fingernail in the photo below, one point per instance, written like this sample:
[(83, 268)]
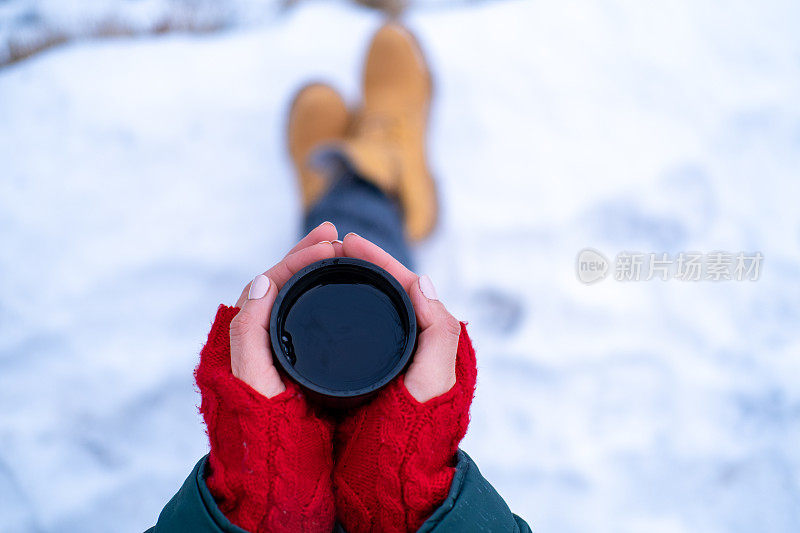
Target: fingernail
[(324, 242), (327, 222), (258, 288), (427, 288), (337, 241), (351, 233)]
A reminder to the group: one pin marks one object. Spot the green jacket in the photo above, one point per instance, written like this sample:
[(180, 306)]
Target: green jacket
[(471, 505)]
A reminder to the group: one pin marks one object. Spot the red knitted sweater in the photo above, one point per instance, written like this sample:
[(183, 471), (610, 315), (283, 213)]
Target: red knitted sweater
[(271, 458), (395, 457), (271, 466)]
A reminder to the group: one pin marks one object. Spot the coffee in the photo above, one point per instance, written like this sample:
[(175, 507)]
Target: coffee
[(343, 328)]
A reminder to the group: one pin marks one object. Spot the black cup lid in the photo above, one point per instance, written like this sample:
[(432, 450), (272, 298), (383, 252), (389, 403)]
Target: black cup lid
[(343, 327)]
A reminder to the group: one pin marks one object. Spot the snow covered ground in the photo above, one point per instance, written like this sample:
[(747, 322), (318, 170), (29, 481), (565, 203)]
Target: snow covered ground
[(144, 181)]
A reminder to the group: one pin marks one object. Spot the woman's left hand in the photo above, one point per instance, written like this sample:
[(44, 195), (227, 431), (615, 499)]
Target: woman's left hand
[(251, 353), (271, 454)]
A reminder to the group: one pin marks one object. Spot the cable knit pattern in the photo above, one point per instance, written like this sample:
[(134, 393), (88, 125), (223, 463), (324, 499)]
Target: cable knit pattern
[(271, 458), (396, 457)]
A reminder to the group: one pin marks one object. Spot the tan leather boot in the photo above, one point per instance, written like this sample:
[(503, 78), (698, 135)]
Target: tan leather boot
[(318, 116), (387, 141)]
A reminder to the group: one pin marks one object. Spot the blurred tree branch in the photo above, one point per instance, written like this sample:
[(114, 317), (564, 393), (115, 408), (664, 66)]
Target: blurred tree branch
[(28, 27)]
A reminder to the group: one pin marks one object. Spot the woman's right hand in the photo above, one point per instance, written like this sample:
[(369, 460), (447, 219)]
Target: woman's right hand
[(395, 455), (433, 369)]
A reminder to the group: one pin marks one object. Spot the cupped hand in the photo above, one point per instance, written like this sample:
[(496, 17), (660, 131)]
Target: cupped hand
[(251, 353), (271, 458), (395, 455), (433, 369)]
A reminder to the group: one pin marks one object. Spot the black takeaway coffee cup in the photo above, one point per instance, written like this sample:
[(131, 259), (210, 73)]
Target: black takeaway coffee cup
[(342, 328)]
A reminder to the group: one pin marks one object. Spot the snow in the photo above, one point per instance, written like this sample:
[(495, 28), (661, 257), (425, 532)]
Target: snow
[(144, 181)]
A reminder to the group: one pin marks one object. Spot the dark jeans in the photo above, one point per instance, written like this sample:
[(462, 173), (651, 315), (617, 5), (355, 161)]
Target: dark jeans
[(356, 205)]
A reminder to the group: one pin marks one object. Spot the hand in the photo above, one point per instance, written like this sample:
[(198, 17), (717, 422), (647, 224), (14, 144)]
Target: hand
[(271, 454), (433, 370), (251, 354), (395, 456)]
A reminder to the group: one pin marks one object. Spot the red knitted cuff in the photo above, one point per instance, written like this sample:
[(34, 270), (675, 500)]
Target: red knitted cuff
[(271, 458), (396, 455)]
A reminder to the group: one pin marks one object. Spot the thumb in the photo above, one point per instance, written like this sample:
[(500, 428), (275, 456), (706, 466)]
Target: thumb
[(251, 354), (433, 369)]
